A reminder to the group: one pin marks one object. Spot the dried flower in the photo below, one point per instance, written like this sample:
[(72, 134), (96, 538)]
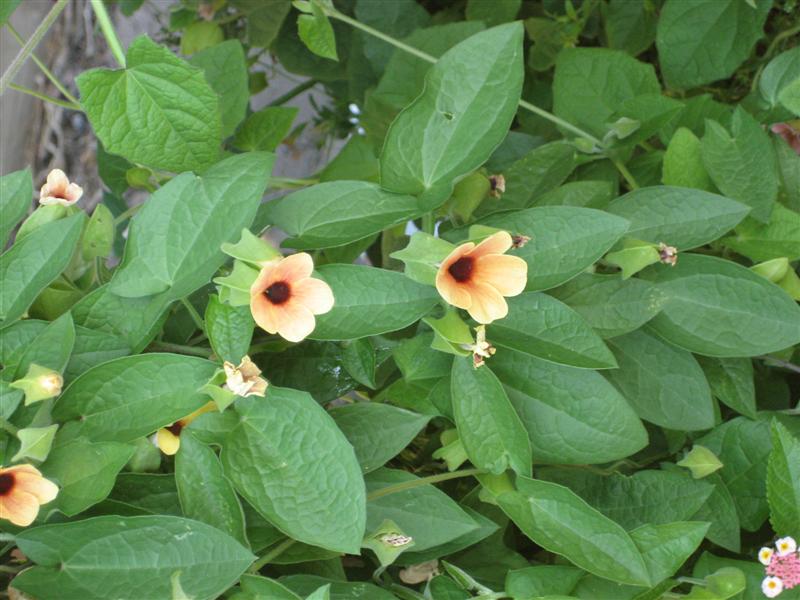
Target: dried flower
[(519, 241), (58, 190), (789, 131), (284, 298), (481, 349), (22, 491), (668, 254), (243, 380), (476, 278), (396, 540), (497, 185)]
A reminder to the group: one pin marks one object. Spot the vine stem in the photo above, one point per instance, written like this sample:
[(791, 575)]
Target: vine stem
[(295, 91), (44, 97), (107, 27), (42, 67), (781, 363), (408, 485), (289, 183), (198, 320), (181, 349), (626, 174), (127, 213), (271, 555), (31, 44)]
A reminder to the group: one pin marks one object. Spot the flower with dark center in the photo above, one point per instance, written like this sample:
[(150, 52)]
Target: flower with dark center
[(284, 298), (22, 491)]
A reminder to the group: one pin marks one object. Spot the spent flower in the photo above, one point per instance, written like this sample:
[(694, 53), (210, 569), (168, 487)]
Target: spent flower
[(59, 190)]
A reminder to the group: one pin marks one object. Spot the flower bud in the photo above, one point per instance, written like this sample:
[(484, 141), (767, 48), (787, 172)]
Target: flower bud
[(39, 383)]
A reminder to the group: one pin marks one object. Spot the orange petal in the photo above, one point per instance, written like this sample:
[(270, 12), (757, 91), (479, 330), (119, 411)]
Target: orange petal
[(453, 292), (73, 192), (168, 442), (57, 183), (264, 312), (295, 321), (19, 507), (42, 489), (487, 303), (507, 274), (455, 255), (315, 294), (266, 277), (294, 268), (497, 243)]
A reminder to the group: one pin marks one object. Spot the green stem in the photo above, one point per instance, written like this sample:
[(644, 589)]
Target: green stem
[(626, 174), (428, 223), (107, 27), (781, 363), (271, 555), (779, 38), (42, 67), (408, 485), (289, 183), (180, 349), (693, 581), (198, 320), (31, 44), (560, 122), (44, 97), (127, 214), (8, 426), (295, 91)]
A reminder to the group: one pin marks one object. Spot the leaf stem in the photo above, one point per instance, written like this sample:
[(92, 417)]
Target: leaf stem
[(428, 223), (626, 174), (781, 363), (409, 485), (559, 121), (126, 214), (181, 349), (107, 27), (271, 555), (12, 429), (42, 67), (44, 97), (295, 91), (31, 44), (198, 320), (779, 38), (289, 183)]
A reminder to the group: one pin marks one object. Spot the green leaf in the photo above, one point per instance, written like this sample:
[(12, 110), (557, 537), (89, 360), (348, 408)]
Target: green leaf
[(425, 513), (174, 241), (559, 521), (264, 19), (229, 329), (51, 348), (718, 308), (778, 74), (339, 212), (664, 384), (680, 217), (397, 19), (783, 482), (370, 301), (119, 557), (468, 102), (265, 129), (683, 162), (377, 432), (492, 12), (261, 587), (35, 442), (777, 239), (317, 34), (648, 497), (666, 547), (541, 580), (700, 461), (491, 431), (630, 26), (200, 35), (204, 492), (705, 40), (591, 84), (85, 471), (271, 457), (313, 367), (129, 397), (16, 192), (340, 590), (564, 240), (731, 381), (32, 263), (7, 9), (542, 326), (744, 447), (720, 511), (612, 306), (422, 256), (159, 112), (742, 164), (98, 237), (573, 416), (417, 360), (225, 68)]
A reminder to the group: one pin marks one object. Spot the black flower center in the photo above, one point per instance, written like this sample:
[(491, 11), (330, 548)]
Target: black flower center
[(461, 270), (278, 292), (175, 428), (6, 483)]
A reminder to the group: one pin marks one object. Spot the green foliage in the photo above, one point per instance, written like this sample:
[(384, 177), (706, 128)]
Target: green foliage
[(627, 430)]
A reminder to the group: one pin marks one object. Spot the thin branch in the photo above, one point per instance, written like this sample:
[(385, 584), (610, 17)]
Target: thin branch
[(44, 97), (408, 485), (107, 27)]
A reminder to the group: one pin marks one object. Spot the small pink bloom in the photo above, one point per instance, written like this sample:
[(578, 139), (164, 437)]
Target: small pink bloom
[(58, 190), (790, 132)]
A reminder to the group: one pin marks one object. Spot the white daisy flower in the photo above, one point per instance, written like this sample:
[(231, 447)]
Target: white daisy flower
[(786, 545), (765, 555), (771, 586)]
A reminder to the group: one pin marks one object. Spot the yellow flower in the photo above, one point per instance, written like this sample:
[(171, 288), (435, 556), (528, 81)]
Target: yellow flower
[(284, 298), (168, 439), (58, 190), (476, 278), (243, 380), (22, 491)]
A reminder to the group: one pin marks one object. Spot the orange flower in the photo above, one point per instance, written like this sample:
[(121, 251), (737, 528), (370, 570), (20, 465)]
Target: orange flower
[(284, 298), (476, 278), (168, 439), (22, 491), (58, 190)]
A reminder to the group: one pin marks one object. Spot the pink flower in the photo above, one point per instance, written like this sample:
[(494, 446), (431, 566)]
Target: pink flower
[(790, 132), (786, 568)]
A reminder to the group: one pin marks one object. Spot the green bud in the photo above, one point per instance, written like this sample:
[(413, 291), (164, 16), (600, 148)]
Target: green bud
[(634, 256), (39, 383), (98, 237), (139, 177), (42, 216), (35, 442), (251, 249), (467, 196), (452, 451), (791, 284), (701, 462)]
